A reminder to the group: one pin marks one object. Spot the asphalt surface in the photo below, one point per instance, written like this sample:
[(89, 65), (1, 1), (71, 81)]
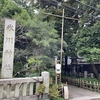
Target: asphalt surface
[(76, 93)]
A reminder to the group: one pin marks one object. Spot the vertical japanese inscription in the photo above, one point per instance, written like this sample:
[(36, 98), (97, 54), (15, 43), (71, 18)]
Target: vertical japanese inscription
[(10, 27), (9, 40), (8, 49), (7, 67), (8, 53)]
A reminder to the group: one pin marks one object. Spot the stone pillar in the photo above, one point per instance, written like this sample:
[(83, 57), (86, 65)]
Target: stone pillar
[(8, 49), (91, 75), (45, 76), (85, 74)]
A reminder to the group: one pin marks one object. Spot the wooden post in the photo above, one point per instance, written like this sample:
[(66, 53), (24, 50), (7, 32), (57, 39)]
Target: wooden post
[(97, 87), (55, 78), (90, 85), (78, 82)]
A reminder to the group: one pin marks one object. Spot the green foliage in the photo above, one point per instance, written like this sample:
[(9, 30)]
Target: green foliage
[(88, 42), (39, 63), (90, 79), (9, 8), (60, 98), (46, 61), (54, 93), (38, 35), (88, 35), (43, 35), (23, 17), (52, 72), (32, 74), (31, 61), (18, 66), (51, 81), (54, 88), (41, 88)]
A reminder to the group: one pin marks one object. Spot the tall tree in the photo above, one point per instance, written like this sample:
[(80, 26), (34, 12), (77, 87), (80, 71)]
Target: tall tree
[(35, 36), (88, 35), (12, 10)]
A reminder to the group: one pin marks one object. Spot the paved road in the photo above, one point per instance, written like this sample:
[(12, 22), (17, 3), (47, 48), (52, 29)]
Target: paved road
[(82, 94)]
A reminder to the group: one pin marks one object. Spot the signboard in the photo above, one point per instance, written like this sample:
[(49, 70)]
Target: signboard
[(69, 61), (58, 68), (8, 49)]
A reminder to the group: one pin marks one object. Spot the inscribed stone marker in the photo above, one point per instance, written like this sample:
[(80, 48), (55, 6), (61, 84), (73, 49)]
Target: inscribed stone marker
[(8, 49), (45, 75)]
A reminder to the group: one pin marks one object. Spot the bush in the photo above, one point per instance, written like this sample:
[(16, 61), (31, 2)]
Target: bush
[(41, 88), (54, 93)]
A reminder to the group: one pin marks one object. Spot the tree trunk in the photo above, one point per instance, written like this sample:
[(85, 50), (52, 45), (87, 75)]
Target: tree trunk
[(95, 70)]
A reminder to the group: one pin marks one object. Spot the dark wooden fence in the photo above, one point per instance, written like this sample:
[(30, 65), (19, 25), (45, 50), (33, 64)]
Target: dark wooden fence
[(93, 86)]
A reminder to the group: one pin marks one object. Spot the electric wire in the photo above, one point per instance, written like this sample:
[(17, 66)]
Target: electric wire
[(87, 5), (77, 11), (56, 3), (60, 16)]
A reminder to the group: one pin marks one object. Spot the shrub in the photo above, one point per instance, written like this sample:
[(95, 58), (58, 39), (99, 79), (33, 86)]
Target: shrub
[(41, 88), (54, 93)]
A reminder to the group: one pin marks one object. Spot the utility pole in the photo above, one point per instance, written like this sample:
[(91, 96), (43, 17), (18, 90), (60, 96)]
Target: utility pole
[(62, 33)]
